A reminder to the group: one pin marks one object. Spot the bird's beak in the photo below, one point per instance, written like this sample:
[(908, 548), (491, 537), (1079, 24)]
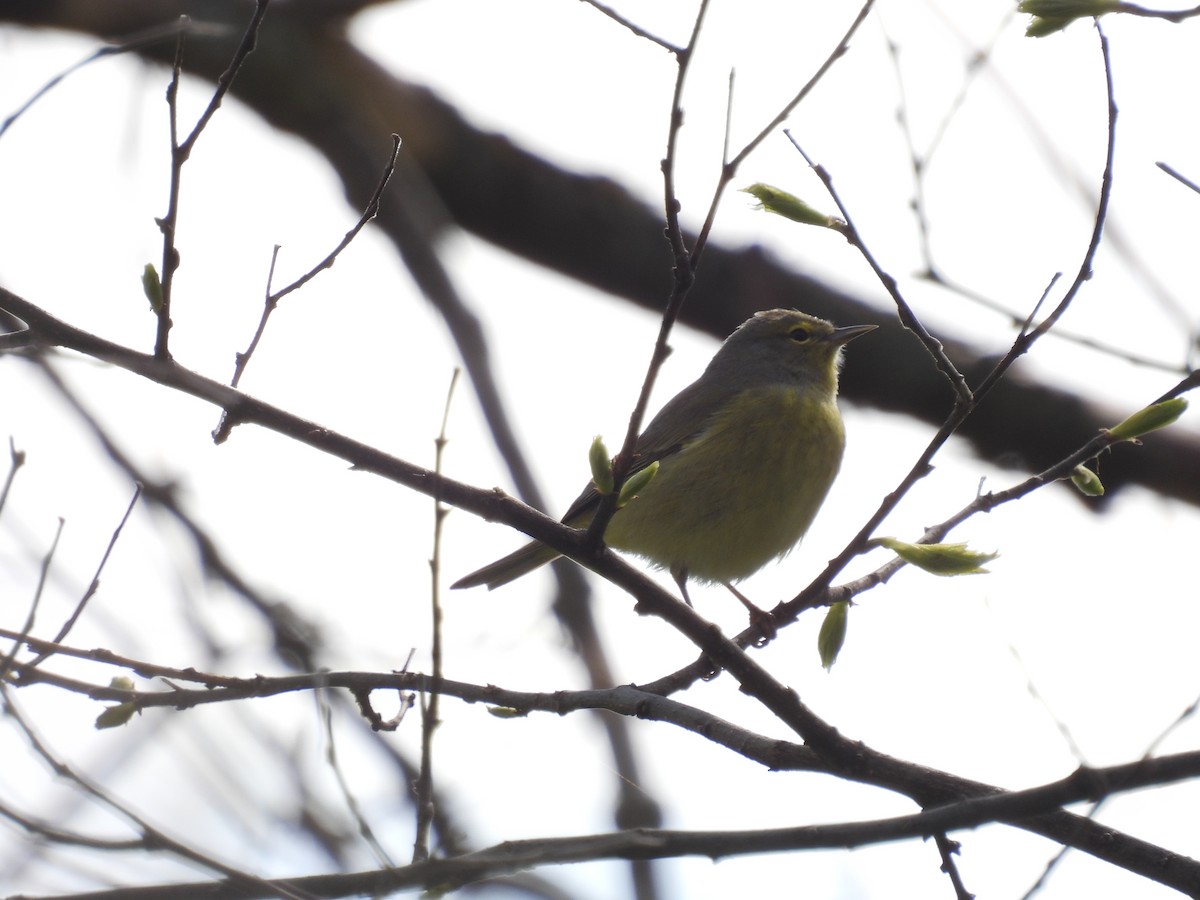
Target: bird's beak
[(842, 336)]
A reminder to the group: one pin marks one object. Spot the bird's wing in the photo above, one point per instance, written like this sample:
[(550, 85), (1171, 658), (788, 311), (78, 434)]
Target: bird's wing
[(678, 423)]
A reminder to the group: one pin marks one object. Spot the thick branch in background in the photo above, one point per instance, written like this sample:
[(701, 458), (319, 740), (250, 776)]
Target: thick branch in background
[(308, 79)]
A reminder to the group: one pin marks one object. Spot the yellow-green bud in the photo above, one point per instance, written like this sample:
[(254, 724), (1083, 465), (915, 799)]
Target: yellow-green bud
[(1153, 417), (1067, 9), (636, 483), (1039, 26), (939, 559), (832, 635), (152, 287), (1087, 481), (773, 200), (598, 459), (1050, 16), (506, 712), (121, 713)]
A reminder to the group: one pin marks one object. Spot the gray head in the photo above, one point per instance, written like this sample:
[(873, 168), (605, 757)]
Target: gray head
[(783, 346)]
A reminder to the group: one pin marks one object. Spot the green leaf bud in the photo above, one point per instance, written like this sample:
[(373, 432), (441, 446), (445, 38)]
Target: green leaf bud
[(121, 713), (636, 483), (1067, 9), (1039, 26), (939, 559), (152, 287), (1087, 481), (1050, 16), (832, 635), (506, 712), (1153, 417), (601, 463), (115, 716), (781, 203)]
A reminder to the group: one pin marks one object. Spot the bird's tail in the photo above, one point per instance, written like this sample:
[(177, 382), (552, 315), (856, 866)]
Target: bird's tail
[(510, 568)]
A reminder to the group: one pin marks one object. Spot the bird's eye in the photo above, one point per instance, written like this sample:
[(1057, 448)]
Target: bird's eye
[(799, 335)]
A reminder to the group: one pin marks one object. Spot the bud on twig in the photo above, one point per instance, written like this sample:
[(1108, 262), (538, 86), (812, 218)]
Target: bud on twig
[(939, 559)]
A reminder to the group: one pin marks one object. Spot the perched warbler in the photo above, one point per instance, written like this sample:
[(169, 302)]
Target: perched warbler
[(746, 456)]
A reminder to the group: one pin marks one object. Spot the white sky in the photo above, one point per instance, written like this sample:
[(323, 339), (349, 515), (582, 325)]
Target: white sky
[(1099, 608)]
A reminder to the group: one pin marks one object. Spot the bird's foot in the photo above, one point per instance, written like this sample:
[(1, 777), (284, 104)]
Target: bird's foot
[(760, 620)]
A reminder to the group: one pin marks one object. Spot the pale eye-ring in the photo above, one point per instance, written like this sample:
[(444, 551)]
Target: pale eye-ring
[(799, 334)]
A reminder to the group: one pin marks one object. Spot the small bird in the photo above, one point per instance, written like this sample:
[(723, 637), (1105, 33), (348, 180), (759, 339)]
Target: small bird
[(746, 455)]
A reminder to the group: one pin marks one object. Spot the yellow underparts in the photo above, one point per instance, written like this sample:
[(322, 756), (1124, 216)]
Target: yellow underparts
[(741, 493)]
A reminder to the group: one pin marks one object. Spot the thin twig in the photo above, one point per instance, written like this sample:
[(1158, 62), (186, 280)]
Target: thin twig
[(948, 850), (907, 317), (1176, 16), (1179, 176), (31, 616), (16, 459), (139, 40), (181, 151), (271, 301), (94, 584), (273, 297), (1084, 273), (962, 410), (682, 279), (430, 704), (919, 162), (325, 710), (634, 27), (730, 168)]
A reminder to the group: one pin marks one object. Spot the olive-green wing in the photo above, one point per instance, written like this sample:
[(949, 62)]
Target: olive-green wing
[(678, 423)]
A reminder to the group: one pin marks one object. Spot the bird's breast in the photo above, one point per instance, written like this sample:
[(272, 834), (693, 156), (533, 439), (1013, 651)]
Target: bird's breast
[(742, 491)]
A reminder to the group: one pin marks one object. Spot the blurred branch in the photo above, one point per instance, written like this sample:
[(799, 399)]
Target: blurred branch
[(94, 585), (951, 802), (151, 839), (343, 103), (513, 856), (296, 640)]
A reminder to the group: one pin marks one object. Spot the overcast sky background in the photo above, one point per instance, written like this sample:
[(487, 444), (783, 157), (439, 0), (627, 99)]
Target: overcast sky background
[(1100, 609)]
